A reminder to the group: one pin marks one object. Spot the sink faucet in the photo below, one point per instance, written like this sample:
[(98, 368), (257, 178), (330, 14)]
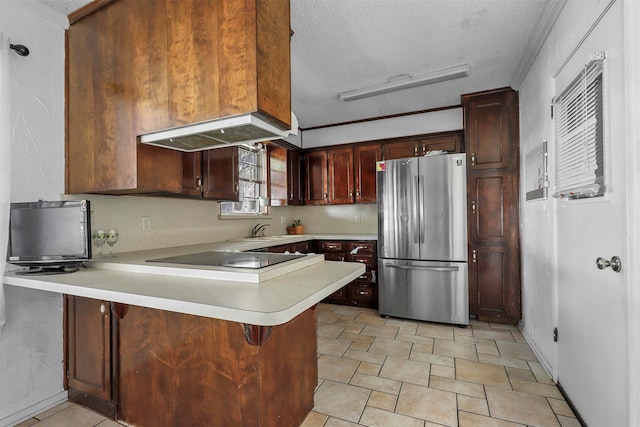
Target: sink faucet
[(258, 228)]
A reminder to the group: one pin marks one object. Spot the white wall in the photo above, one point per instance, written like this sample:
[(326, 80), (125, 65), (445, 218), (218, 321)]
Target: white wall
[(31, 348)]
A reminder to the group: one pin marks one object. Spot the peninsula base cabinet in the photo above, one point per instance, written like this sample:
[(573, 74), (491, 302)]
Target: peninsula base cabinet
[(177, 369)]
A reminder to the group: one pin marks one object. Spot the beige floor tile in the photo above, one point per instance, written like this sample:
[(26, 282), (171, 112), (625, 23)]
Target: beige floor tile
[(380, 331), (314, 419), (503, 361), (516, 351), (504, 326), (372, 382), (330, 330), (346, 309), (474, 340), (410, 371), (434, 359), (443, 371), (561, 407), (488, 348), (493, 334), (482, 373), (332, 346), (350, 317), (392, 321), (28, 423), (540, 374), (409, 329), (369, 368), (472, 404), (53, 410), (374, 417), (336, 368), (474, 420), (435, 331), (568, 421), (356, 337), (423, 348), (342, 401), (364, 356), (384, 401), (371, 317), (479, 323), (536, 388), (416, 339), (109, 423), (354, 328), (327, 316), (517, 335), (455, 349), (462, 332), (359, 346), (335, 422), (390, 347), (428, 404), (520, 374), (520, 407), (457, 386), (73, 415)]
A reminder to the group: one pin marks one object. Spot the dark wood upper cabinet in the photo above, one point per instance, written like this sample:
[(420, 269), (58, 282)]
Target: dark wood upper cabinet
[(285, 185), (192, 174), (365, 158), (419, 146), (139, 66), (221, 174), (489, 126), (316, 180), (340, 176)]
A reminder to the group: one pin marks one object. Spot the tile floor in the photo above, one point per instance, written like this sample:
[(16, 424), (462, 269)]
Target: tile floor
[(390, 372)]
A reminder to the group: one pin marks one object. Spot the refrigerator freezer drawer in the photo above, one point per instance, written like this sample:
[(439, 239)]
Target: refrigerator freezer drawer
[(424, 290)]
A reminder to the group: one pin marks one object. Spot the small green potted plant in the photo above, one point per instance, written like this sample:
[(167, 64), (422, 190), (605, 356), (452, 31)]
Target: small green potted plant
[(299, 228)]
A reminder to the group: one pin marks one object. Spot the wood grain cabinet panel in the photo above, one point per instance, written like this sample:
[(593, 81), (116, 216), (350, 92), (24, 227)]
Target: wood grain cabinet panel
[(139, 66), (340, 176), (285, 184), (89, 353), (492, 146), (420, 145), (365, 158), (316, 178), (221, 174)]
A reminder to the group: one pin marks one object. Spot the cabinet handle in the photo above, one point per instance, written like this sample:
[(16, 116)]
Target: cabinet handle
[(473, 206), (103, 309), (415, 150), (350, 194), (363, 293), (358, 194), (473, 159), (424, 149), (325, 195), (474, 255)]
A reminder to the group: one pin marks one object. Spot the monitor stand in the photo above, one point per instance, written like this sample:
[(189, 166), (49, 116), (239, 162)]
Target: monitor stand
[(50, 269)]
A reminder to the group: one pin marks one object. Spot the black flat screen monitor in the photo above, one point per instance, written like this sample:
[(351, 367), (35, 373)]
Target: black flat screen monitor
[(49, 236)]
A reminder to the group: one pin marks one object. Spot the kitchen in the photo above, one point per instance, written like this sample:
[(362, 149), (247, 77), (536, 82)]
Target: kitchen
[(170, 216)]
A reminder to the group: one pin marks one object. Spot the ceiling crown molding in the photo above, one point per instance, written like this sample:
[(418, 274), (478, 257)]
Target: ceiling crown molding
[(549, 15)]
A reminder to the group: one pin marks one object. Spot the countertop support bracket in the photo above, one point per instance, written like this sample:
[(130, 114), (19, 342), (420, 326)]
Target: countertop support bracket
[(256, 334)]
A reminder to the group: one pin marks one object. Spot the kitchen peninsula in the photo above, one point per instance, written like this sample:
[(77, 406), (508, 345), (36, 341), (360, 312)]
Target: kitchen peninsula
[(185, 349)]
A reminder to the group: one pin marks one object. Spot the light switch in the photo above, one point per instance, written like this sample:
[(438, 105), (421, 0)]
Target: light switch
[(146, 223)]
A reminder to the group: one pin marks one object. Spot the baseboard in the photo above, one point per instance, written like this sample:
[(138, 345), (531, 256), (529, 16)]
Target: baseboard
[(570, 403), (541, 358), (34, 410)]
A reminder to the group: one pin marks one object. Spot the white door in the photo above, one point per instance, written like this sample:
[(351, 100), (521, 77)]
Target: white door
[(592, 307)]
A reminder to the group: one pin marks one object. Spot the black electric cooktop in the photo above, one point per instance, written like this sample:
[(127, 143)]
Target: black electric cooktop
[(229, 259)]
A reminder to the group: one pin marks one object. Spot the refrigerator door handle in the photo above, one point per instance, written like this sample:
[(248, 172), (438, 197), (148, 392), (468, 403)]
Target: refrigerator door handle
[(410, 267), (421, 205), (417, 210)]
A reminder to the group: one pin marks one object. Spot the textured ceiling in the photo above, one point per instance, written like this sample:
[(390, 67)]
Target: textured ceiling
[(341, 45)]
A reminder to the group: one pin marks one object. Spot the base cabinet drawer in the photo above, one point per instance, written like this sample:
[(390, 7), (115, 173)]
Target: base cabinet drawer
[(364, 293)]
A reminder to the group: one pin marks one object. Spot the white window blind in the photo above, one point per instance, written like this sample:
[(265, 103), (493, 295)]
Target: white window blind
[(579, 168)]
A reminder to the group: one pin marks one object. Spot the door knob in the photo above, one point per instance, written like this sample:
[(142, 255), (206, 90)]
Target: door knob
[(615, 263)]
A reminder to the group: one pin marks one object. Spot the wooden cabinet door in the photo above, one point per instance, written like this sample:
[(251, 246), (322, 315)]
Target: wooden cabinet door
[(89, 353), (450, 143), (221, 173), (489, 207), (315, 168), (340, 176), (192, 174), (492, 295), (302, 247), (294, 178), (277, 182), (402, 149), (365, 159), (489, 129)]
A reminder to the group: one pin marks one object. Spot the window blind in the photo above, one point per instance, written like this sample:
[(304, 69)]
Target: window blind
[(578, 124)]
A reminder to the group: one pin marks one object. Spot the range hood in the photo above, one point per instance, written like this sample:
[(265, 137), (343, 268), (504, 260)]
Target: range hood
[(245, 129)]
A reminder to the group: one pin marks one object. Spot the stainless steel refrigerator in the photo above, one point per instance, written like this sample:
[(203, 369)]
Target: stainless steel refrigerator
[(422, 238)]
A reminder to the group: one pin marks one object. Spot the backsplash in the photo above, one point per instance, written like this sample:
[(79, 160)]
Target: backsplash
[(339, 219)]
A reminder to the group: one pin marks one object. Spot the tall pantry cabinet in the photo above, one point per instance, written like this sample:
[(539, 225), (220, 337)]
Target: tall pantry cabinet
[(492, 146)]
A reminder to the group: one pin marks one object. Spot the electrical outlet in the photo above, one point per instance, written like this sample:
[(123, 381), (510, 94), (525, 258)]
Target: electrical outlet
[(146, 223), (283, 219), (358, 219)]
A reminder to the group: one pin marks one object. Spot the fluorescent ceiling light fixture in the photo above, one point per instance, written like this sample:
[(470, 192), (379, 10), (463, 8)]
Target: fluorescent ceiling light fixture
[(412, 80)]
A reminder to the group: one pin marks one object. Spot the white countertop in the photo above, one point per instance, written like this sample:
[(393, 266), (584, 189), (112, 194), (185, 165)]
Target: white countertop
[(285, 290)]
